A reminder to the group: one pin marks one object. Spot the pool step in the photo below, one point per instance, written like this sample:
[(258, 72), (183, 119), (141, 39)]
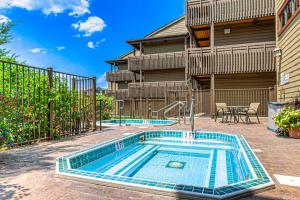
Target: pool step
[(119, 167)]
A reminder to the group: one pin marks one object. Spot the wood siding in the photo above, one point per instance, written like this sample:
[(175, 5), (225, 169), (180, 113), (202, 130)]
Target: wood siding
[(177, 27), (199, 12), (245, 81), (245, 33), (289, 42), (163, 48), (172, 60), (123, 66), (164, 75), (243, 58)]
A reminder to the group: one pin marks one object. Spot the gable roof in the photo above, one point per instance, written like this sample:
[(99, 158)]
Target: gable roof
[(175, 27), (173, 30)]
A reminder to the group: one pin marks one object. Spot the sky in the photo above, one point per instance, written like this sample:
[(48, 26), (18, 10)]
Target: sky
[(78, 36)]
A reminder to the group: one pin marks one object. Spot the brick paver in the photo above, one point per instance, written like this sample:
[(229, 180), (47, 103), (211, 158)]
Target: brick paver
[(29, 172)]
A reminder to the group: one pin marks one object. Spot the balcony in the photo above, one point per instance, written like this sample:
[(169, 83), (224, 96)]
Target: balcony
[(200, 12), (122, 75), (160, 61), (121, 94), (244, 58), (155, 89)]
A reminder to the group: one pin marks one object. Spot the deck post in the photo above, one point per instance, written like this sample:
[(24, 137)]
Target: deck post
[(50, 104), (212, 37), (212, 95)]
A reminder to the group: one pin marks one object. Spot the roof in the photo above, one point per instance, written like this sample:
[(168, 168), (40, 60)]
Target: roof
[(175, 27), (175, 30)]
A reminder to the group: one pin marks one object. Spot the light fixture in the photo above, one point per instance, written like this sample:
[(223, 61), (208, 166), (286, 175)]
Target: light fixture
[(277, 52), (227, 31)]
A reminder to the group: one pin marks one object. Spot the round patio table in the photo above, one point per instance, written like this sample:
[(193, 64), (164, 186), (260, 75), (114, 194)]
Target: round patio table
[(235, 112)]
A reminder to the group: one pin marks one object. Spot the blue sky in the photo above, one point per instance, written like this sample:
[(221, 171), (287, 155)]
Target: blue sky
[(77, 36)]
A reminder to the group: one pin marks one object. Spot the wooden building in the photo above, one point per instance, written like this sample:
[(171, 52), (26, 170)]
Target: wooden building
[(288, 49), (220, 51)]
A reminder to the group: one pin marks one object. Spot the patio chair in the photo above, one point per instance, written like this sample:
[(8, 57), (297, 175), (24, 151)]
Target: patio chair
[(251, 111), (223, 111)]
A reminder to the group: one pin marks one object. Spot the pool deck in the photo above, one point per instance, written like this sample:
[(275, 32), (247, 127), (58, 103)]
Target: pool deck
[(29, 172)]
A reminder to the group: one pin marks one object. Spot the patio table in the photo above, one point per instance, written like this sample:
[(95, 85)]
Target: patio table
[(235, 112)]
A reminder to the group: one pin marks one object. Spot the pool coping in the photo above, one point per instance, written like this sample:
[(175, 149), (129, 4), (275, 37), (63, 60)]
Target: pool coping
[(167, 191), (137, 125)]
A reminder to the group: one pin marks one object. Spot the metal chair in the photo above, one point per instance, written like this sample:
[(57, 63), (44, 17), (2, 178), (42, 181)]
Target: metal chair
[(251, 111), (223, 110)]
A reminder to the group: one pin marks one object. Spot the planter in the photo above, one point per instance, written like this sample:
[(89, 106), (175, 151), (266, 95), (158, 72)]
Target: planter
[(294, 133)]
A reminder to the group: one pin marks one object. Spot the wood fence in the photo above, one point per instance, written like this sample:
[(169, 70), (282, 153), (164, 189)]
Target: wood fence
[(159, 61), (155, 89), (39, 104), (242, 58), (199, 12), (205, 101)]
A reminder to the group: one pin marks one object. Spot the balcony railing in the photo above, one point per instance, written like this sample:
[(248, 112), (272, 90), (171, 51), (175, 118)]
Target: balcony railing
[(155, 89), (121, 75), (160, 61), (121, 94), (200, 12), (245, 58)]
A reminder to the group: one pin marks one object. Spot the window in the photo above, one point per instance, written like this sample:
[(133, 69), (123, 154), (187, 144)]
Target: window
[(289, 10)]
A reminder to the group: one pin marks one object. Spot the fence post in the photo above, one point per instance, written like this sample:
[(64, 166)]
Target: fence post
[(94, 104), (50, 105)]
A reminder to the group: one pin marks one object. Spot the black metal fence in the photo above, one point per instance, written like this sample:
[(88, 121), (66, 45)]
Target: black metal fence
[(38, 104)]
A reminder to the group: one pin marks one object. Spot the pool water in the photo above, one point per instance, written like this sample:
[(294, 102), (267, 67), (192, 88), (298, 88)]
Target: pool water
[(204, 164), (138, 122)]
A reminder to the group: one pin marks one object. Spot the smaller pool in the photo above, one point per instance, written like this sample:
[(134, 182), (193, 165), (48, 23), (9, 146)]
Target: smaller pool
[(155, 122)]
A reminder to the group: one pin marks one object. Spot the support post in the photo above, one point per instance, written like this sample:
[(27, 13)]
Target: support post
[(212, 96), (50, 104), (94, 104), (212, 37)]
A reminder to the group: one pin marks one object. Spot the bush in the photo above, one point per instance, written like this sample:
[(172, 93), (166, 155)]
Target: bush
[(288, 118), (106, 106)]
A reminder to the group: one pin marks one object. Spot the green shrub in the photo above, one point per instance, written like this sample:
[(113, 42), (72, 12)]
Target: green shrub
[(106, 106), (288, 118)]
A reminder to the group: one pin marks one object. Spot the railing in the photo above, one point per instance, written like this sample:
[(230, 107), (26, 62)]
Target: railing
[(122, 75), (155, 89), (200, 12), (173, 60), (38, 104), (245, 58), (121, 94)]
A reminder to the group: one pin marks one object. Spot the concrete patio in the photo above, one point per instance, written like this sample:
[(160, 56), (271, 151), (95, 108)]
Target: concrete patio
[(29, 172)]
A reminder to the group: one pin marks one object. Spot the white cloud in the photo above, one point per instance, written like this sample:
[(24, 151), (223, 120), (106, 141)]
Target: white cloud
[(4, 19), (102, 81), (91, 25), (94, 45), (73, 7), (60, 48), (91, 45), (38, 50)]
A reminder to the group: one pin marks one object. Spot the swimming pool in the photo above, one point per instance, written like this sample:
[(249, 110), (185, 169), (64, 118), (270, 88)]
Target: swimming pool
[(202, 164), (154, 122)]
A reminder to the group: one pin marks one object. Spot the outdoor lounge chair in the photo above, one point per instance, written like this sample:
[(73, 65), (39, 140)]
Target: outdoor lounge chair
[(251, 111), (223, 111)]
